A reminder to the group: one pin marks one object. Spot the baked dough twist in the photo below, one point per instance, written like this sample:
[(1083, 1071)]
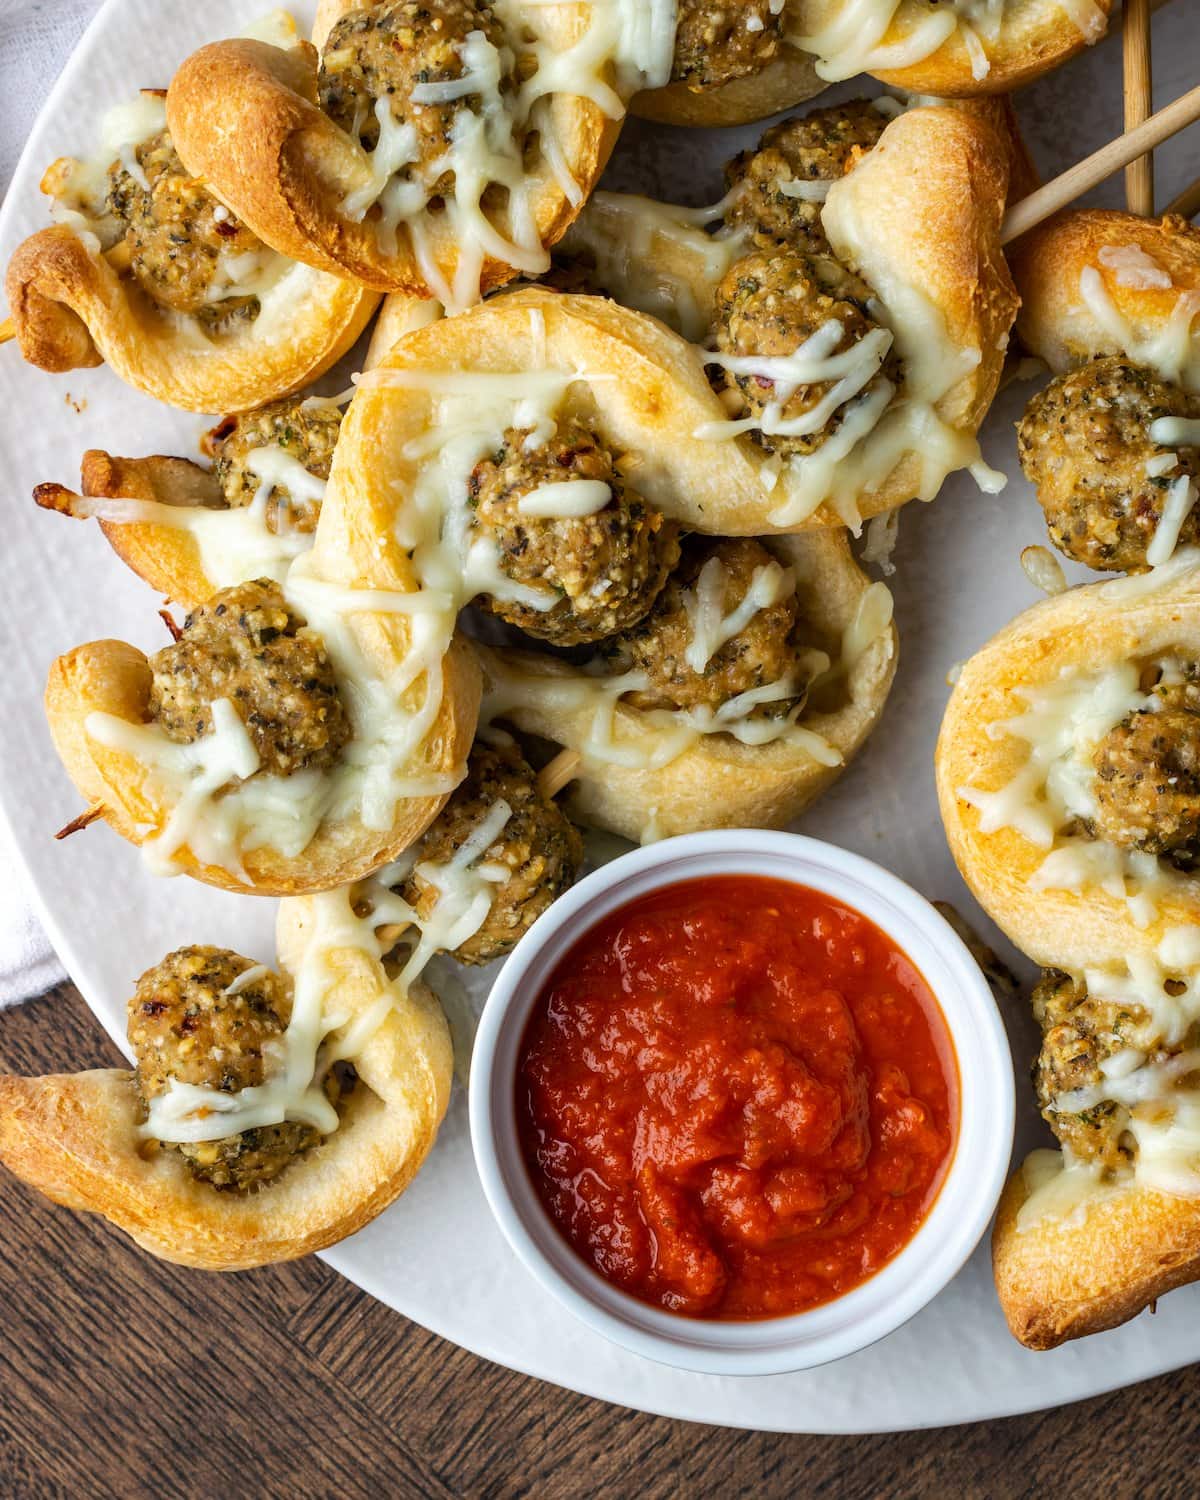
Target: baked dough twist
[(632, 781), (1028, 735), (1095, 282), (958, 50), (79, 296), (411, 690), (77, 1137), (308, 188), (917, 220)]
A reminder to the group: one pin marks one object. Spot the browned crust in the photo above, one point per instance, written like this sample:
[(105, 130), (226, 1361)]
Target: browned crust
[(1036, 37), (70, 309), (243, 116), (787, 81), (1084, 628), (74, 1138), (1047, 263), (719, 783), (114, 678), (166, 557), (1061, 1279)]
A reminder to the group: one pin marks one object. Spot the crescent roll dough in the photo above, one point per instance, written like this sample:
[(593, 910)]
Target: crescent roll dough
[(411, 691), (1103, 1256), (714, 780), (309, 189), (76, 1136), (1094, 281), (1070, 663), (918, 220), (1086, 1238), (152, 275), (965, 48), (787, 80)]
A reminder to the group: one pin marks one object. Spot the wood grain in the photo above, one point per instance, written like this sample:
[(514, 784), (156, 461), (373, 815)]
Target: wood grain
[(125, 1377)]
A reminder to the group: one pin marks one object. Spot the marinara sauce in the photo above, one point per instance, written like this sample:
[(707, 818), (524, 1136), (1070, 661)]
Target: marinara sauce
[(737, 1098)]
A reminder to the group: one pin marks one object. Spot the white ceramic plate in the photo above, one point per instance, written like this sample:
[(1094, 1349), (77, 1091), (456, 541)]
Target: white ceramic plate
[(436, 1256)]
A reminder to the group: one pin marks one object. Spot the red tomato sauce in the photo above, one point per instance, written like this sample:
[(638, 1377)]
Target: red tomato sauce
[(737, 1098)]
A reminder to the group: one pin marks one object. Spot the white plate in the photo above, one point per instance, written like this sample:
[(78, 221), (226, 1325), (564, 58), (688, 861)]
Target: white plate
[(436, 1256)]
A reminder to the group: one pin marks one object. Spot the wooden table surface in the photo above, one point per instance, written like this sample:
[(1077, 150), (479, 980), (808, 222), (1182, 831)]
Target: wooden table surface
[(127, 1377)]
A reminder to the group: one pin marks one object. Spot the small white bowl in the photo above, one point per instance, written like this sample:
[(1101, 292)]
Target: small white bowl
[(969, 1191)]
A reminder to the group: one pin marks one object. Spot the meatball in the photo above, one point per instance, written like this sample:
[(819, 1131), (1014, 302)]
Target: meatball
[(1085, 443), (185, 1025), (382, 51), (717, 41), (766, 650), (177, 233), (307, 431), (541, 848), (768, 304), (606, 569), (247, 645), (817, 147), (1147, 784), (1079, 1032)]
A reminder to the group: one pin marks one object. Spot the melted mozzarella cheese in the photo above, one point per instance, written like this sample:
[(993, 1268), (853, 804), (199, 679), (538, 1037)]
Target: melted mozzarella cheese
[(1171, 348), (566, 499), (1178, 506), (235, 545), (855, 39), (704, 604), (656, 257), (626, 43), (1133, 267), (1063, 723)]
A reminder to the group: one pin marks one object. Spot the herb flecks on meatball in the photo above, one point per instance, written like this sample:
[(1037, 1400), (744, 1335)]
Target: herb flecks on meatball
[(184, 244), (185, 1025), (306, 430), (1079, 1032), (1147, 783), (603, 571), (770, 303), (248, 646), (540, 847), (1085, 443), (767, 650), (383, 51), (817, 147), (717, 41)]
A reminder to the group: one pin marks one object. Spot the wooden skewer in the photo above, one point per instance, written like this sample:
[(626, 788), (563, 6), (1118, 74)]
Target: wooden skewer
[(8, 331), (1139, 102), (1187, 205), (556, 773), (1024, 216), (82, 821)]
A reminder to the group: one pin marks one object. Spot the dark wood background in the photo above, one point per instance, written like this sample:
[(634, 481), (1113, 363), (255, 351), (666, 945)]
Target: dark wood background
[(126, 1377)]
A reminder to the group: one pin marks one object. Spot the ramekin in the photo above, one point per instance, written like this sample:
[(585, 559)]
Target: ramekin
[(969, 1191)]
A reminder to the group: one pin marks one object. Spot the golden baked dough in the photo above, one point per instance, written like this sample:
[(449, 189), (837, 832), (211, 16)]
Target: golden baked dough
[(1085, 1241), (918, 220), (714, 781), (1110, 1253), (412, 699), (1094, 281), (1073, 644), (926, 47), (308, 189), (75, 301), (71, 310), (187, 564), (786, 81), (76, 1137)]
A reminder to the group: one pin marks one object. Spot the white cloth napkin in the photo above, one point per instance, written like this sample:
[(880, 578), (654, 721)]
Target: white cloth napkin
[(36, 38)]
